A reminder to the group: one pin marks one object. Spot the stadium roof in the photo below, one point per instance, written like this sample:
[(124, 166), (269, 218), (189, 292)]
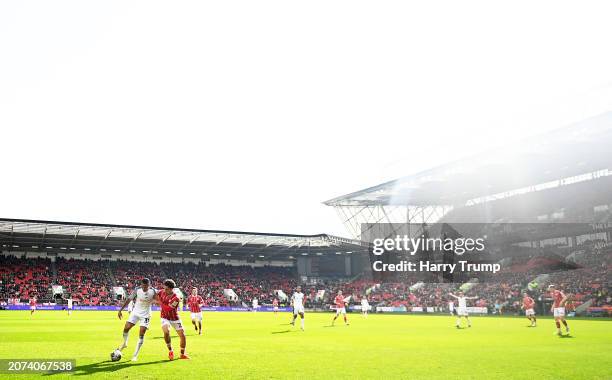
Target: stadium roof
[(51, 236), (578, 152)]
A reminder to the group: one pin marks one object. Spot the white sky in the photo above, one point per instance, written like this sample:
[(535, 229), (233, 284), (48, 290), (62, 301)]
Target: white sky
[(246, 115)]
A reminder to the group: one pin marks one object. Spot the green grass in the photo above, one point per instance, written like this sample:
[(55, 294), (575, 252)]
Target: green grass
[(262, 345)]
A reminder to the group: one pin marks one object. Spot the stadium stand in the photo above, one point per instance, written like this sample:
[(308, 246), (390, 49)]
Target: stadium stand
[(89, 282)]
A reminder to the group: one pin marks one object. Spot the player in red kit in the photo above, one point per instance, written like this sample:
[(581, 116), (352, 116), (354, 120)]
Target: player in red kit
[(340, 308), (558, 308), (528, 304), (169, 302), (195, 303), (275, 306), (32, 305)]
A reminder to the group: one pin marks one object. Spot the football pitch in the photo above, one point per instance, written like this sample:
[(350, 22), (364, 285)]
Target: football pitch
[(262, 345)]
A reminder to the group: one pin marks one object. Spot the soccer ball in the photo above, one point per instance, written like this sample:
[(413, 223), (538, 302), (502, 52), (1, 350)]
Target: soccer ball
[(115, 355)]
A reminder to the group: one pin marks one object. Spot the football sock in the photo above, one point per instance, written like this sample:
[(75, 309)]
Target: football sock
[(140, 342)]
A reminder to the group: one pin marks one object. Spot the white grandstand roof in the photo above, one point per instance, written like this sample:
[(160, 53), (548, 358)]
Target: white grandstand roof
[(65, 236), (574, 153)]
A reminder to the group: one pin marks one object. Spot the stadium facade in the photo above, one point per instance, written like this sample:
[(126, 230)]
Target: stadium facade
[(313, 255)]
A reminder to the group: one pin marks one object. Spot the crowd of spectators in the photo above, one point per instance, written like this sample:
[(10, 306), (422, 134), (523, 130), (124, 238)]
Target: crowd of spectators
[(21, 279), (86, 281), (503, 292), (91, 283)]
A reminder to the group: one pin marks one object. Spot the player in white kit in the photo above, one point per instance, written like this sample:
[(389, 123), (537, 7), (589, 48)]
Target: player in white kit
[(297, 301), (143, 297), (69, 305), (365, 306), (255, 304), (462, 308)]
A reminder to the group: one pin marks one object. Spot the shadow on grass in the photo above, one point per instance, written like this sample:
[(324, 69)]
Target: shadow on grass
[(281, 332), (106, 366), (565, 336)]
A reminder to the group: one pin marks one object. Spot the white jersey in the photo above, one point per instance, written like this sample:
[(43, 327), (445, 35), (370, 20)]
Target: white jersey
[(297, 299), (69, 303), (462, 302), (364, 303), (142, 302)]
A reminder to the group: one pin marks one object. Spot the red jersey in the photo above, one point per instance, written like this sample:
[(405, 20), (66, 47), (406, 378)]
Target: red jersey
[(32, 302), (169, 305), (339, 301), (528, 303), (557, 297), (194, 303), (275, 302)]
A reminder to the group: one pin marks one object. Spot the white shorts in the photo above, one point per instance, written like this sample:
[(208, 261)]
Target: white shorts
[(275, 308), (298, 309), (32, 307), (340, 310), (559, 312), (196, 316), (529, 312), (176, 325), (143, 319), (462, 312)]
